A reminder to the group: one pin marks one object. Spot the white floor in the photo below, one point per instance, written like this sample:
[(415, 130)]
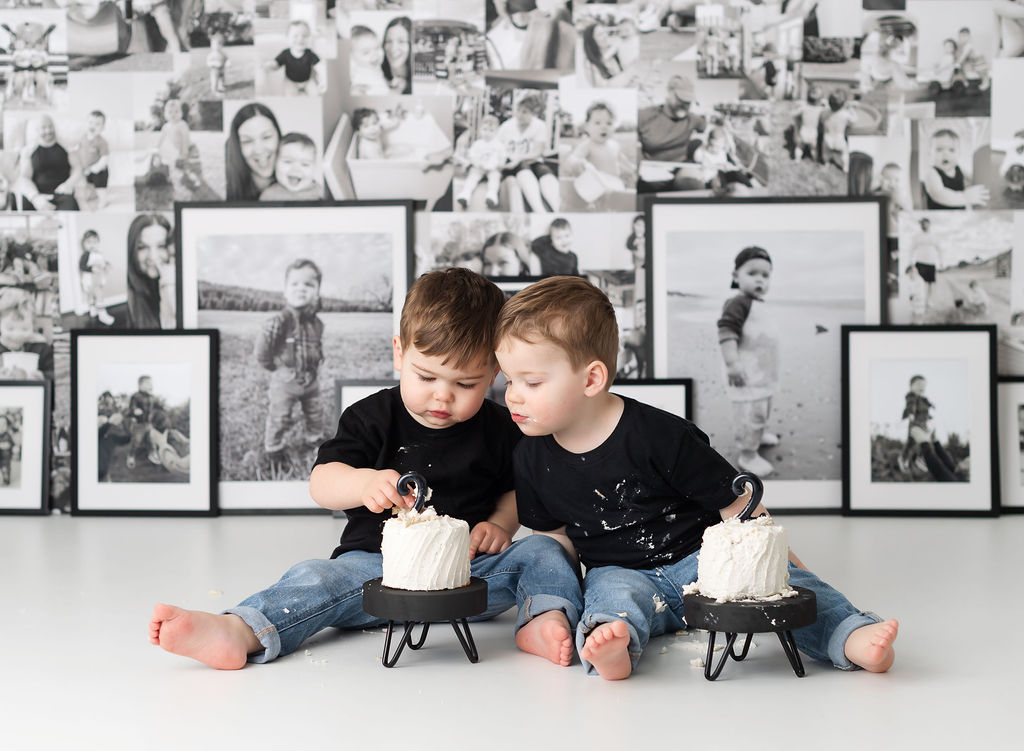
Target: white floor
[(77, 671)]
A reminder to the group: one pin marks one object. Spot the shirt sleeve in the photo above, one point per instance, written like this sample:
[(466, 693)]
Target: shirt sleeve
[(269, 341), (281, 58), (360, 439), (734, 315), (532, 512)]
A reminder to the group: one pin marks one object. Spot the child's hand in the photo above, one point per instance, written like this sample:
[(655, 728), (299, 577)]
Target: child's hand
[(736, 375), (487, 537), (976, 195), (379, 494)]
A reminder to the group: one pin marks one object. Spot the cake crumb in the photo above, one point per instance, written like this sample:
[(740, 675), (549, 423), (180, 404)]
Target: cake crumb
[(621, 615), (659, 604), (663, 651), (287, 610), (697, 662), (215, 593)]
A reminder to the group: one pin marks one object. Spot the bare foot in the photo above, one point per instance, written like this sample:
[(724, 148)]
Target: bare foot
[(219, 641), (547, 636), (607, 650), (870, 646)]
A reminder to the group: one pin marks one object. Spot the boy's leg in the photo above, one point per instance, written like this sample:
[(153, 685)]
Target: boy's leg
[(827, 638), (537, 575), (623, 609), (493, 184), (749, 418), (282, 397), (311, 596)]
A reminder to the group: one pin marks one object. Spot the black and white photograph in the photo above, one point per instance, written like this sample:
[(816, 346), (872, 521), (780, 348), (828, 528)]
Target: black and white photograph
[(272, 149), (35, 43), (221, 61), (24, 446), (102, 140), (919, 420), (956, 42), (957, 267), (378, 49), (1010, 392), (290, 49), (178, 152), (673, 395), (742, 312), (608, 46), (598, 149), (450, 50), (28, 294), (92, 265), (296, 311), (506, 156), (536, 36), (144, 418), (397, 147), (1008, 133), (952, 162)]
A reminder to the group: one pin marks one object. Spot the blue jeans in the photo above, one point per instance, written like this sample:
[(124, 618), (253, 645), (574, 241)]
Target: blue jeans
[(535, 574), (650, 601)]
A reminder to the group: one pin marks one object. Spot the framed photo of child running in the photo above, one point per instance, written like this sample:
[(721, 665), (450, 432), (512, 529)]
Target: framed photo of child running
[(746, 297), (303, 294), (144, 422), (919, 421), (24, 446)]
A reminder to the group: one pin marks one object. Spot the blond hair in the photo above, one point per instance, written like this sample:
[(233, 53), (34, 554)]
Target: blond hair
[(451, 314), (569, 312)]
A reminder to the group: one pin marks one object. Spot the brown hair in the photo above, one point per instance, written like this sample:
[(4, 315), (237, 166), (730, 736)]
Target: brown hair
[(451, 313), (569, 312)]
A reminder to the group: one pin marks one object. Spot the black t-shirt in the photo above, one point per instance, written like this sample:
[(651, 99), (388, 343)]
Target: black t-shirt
[(297, 69), (639, 500), (467, 466)]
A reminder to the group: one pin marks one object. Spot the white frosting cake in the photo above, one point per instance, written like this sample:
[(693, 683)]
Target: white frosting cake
[(743, 561), (425, 551)]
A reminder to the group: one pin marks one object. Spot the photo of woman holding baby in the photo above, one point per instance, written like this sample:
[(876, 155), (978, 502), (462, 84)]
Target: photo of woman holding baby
[(250, 153), (397, 65)]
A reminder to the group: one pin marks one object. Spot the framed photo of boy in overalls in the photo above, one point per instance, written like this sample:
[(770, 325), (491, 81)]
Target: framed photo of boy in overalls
[(746, 297), (24, 446), (303, 294), (144, 422), (919, 421)]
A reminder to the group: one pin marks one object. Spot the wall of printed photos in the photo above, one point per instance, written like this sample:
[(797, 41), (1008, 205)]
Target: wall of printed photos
[(498, 118)]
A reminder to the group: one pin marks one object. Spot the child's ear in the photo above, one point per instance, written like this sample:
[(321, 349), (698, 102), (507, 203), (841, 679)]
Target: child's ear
[(597, 378), (396, 351)]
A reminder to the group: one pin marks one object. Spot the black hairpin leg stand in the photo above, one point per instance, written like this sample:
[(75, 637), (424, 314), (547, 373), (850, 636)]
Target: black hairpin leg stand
[(735, 618), (412, 608)]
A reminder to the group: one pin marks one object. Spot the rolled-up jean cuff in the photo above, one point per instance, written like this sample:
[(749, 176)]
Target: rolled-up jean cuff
[(265, 631), (837, 643), (596, 619), (537, 604)]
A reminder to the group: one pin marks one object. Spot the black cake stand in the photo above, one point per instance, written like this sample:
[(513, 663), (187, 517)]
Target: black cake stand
[(412, 607), (752, 617)]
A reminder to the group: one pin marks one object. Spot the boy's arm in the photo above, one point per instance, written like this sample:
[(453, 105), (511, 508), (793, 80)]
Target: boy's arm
[(339, 486), (495, 534), (971, 195), (267, 343)]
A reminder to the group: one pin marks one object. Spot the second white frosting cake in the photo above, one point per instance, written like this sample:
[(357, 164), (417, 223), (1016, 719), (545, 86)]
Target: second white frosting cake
[(425, 551), (744, 560)]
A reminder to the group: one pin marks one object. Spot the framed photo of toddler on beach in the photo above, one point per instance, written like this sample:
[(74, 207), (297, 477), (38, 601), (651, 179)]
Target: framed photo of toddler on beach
[(747, 297), (919, 421), (24, 447), (303, 294), (144, 422)]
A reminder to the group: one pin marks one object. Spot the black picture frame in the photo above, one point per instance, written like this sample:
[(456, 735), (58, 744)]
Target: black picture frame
[(1010, 400), (232, 262), (25, 450), (159, 479), (828, 258), (891, 470)]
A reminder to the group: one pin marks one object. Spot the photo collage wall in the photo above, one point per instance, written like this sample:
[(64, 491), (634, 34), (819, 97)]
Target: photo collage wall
[(529, 137)]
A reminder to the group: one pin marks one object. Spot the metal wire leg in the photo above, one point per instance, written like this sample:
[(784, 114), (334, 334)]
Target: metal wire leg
[(389, 662), (746, 647), (789, 645), (730, 640), (467, 640), (423, 637)]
